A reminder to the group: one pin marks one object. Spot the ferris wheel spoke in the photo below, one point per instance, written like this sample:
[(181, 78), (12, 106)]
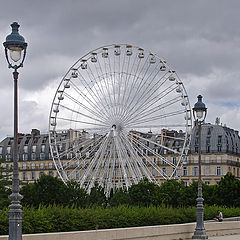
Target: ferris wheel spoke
[(147, 103), (132, 171), (101, 89), (153, 118), (143, 168), (78, 121), (93, 163), (83, 106), (157, 126), (134, 155), (144, 82), (135, 77), (155, 143), (151, 111), (82, 114), (121, 160), (93, 105), (149, 160), (99, 162), (106, 84), (94, 94)]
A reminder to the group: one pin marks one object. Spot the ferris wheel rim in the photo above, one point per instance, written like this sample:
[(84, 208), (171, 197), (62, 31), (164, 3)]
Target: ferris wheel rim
[(57, 162)]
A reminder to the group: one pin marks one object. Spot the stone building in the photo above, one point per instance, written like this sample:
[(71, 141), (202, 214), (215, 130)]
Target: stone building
[(220, 148)]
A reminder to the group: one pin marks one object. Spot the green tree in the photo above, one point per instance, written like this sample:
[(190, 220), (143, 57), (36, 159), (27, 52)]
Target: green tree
[(171, 193), (4, 185), (97, 196), (227, 192), (75, 195), (144, 193), (47, 190), (119, 197)]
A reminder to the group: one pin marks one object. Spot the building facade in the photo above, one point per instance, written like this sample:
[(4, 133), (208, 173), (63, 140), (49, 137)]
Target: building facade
[(220, 147)]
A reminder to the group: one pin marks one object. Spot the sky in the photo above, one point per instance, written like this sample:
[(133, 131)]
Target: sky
[(200, 39)]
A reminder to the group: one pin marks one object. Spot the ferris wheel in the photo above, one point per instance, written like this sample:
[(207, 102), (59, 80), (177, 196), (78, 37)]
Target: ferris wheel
[(118, 115)]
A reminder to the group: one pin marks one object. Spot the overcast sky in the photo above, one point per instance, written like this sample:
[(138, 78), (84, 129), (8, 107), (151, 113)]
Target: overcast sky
[(199, 39)]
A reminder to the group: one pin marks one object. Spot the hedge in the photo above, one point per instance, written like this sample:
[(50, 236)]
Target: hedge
[(64, 219)]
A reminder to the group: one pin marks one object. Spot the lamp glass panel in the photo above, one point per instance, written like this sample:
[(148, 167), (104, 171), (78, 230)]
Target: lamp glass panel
[(199, 114), (15, 54)]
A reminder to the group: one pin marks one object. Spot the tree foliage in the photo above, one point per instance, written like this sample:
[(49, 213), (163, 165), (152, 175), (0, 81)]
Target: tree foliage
[(5, 184)]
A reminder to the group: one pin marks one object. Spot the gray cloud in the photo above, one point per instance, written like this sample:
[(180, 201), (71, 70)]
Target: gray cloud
[(199, 39)]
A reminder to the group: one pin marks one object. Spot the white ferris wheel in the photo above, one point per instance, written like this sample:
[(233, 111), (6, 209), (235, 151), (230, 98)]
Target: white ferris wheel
[(117, 115)]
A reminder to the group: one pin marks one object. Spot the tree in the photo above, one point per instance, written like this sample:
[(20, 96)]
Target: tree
[(97, 196), (4, 185), (47, 190), (144, 193), (171, 193), (75, 195), (119, 197), (227, 192)]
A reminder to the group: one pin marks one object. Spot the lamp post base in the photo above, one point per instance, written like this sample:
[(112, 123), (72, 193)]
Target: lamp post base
[(200, 234)]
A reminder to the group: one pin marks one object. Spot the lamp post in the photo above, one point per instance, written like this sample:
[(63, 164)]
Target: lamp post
[(14, 45), (199, 114)]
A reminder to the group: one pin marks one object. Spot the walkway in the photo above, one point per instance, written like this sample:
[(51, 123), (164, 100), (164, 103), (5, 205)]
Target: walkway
[(226, 237)]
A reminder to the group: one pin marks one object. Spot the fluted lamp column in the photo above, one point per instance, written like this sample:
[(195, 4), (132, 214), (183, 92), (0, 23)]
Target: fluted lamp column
[(199, 114), (14, 46)]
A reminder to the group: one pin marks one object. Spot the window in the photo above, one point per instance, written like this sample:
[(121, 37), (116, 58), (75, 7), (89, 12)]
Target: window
[(33, 165), (174, 160), (34, 148), (207, 182), (155, 160), (185, 171), (50, 173), (207, 170), (207, 159), (41, 165), (77, 174), (33, 156), (195, 171), (8, 150), (195, 160), (24, 176), (218, 159), (68, 175), (1, 150), (154, 171), (50, 165), (25, 157), (8, 157), (144, 161), (25, 149), (174, 172), (209, 131), (186, 184), (33, 175), (24, 166), (219, 139), (196, 149), (42, 148), (42, 156), (164, 171), (218, 171)]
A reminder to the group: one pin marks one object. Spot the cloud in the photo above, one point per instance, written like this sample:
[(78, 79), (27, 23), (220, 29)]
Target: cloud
[(199, 39)]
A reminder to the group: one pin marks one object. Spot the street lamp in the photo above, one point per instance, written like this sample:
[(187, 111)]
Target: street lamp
[(14, 46), (199, 114)]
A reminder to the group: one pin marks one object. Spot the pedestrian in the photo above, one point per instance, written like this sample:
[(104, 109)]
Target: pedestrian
[(219, 217)]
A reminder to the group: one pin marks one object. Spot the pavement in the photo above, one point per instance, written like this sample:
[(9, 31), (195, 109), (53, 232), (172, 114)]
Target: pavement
[(226, 237)]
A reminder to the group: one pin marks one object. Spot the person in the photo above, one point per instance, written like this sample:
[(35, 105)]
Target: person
[(219, 217)]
